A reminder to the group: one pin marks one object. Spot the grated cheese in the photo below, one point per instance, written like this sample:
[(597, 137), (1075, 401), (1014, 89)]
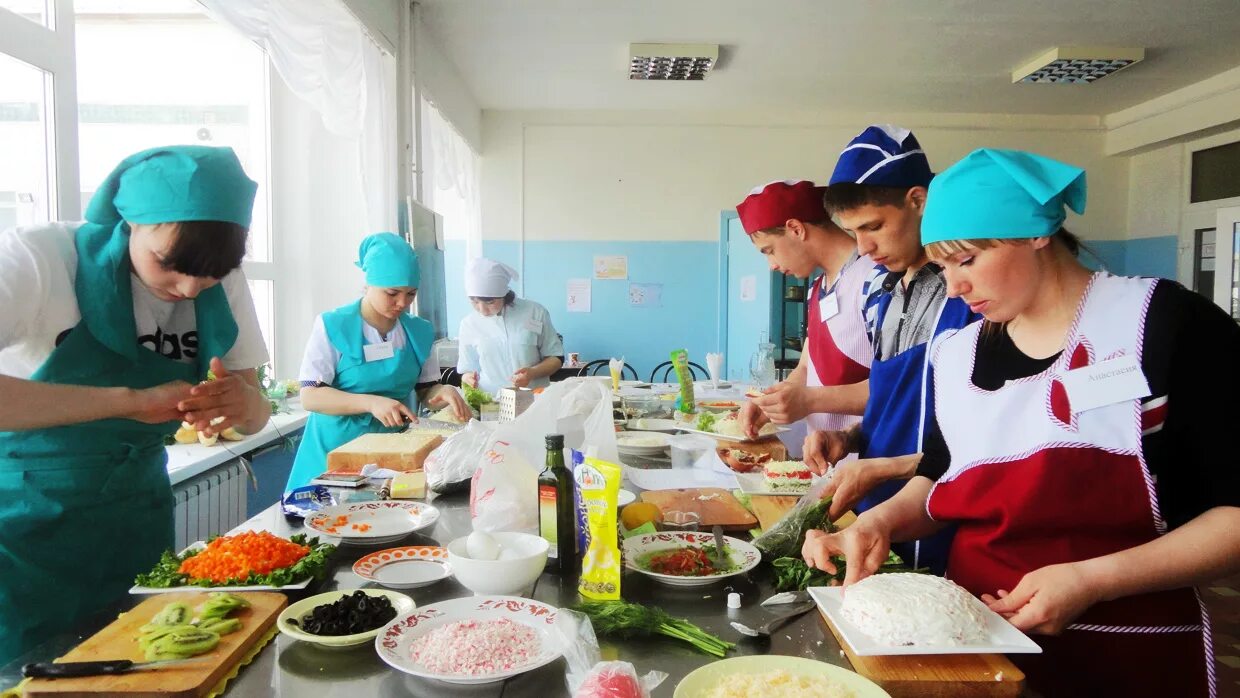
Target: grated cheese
[(777, 684)]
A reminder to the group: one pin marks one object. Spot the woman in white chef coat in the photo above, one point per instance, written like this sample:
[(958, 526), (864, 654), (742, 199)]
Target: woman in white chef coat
[(506, 341)]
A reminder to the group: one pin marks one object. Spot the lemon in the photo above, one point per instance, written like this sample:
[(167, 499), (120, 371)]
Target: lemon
[(639, 514)]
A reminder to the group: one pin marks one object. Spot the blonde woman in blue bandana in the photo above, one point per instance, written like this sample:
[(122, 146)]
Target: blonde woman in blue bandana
[(1076, 447), (108, 330), (369, 363)]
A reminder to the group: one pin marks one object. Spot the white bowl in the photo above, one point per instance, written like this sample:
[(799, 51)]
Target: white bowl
[(403, 605), (501, 577)]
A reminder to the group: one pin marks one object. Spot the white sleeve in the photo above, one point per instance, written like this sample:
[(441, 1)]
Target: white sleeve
[(249, 351), (549, 343), (21, 291), (318, 364), (467, 360)]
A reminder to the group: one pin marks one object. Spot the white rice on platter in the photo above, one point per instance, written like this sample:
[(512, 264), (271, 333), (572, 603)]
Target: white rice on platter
[(915, 609)]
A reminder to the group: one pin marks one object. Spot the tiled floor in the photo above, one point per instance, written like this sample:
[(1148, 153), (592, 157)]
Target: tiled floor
[(1223, 601)]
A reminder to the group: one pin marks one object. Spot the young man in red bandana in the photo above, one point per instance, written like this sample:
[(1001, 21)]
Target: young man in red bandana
[(788, 224)]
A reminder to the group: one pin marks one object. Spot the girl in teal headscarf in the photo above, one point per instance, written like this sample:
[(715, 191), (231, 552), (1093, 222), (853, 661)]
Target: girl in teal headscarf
[(369, 363), (1079, 446), (108, 330)]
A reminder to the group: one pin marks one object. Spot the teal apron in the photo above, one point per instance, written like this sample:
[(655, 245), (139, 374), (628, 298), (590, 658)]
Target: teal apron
[(394, 377), (86, 507)]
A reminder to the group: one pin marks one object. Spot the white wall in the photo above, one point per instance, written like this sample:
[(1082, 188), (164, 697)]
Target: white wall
[(667, 175), (443, 86), (381, 19)]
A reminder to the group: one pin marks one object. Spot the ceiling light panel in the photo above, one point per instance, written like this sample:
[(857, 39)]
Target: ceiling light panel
[(1076, 64), (671, 61)]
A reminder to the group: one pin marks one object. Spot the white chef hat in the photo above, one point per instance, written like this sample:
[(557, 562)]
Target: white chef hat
[(487, 278)]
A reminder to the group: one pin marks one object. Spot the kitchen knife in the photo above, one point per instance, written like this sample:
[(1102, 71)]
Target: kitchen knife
[(63, 670)]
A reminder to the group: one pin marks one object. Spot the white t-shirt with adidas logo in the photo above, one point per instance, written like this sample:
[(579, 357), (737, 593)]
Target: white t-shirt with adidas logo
[(38, 306)]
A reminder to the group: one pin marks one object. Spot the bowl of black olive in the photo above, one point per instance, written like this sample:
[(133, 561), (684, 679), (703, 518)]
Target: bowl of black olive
[(342, 618)]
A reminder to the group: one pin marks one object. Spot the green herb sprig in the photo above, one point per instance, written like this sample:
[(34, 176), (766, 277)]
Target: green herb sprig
[(624, 619)]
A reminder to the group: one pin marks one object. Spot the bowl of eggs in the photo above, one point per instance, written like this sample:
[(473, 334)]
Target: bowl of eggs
[(503, 562)]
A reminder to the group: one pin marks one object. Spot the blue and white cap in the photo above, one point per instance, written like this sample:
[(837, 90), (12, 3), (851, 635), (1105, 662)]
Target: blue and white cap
[(885, 156)]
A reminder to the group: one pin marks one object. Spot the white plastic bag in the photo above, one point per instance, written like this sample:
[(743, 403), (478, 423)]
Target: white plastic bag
[(451, 467), (503, 494), (587, 677)]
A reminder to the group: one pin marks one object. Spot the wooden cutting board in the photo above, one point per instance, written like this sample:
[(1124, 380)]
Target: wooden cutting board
[(191, 680), (770, 509), (937, 675), (715, 506)]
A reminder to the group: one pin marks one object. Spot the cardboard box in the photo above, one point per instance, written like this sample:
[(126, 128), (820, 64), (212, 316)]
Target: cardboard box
[(402, 451)]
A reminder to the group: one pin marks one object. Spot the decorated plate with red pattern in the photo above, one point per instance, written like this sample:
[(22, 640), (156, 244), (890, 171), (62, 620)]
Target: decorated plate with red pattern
[(370, 523), (678, 558), (474, 640), (405, 568)]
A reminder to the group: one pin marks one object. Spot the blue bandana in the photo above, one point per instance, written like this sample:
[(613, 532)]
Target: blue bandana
[(1001, 194), (884, 156)]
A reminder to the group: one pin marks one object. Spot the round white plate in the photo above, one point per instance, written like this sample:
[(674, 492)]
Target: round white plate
[(663, 425), (625, 497), (370, 523), (633, 442), (744, 556), (405, 568), (402, 603), (394, 642)]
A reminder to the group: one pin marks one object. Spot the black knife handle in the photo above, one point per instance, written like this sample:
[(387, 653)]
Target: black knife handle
[(64, 670)]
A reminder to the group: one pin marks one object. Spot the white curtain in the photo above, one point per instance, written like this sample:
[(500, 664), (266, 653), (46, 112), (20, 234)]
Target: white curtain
[(451, 171), (325, 57)]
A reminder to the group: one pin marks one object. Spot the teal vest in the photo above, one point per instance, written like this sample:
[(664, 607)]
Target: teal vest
[(86, 507), (394, 377)]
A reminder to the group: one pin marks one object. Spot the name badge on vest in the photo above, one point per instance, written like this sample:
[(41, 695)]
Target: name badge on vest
[(1105, 383), (378, 352), (828, 306)]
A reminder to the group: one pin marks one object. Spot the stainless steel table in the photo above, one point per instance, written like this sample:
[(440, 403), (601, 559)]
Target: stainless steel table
[(290, 668)]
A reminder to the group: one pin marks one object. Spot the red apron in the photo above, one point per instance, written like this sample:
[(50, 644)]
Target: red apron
[(839, 350), (1034, 483)]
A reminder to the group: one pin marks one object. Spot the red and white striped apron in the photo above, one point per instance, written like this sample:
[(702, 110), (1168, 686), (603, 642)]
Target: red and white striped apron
[(1033, 483)]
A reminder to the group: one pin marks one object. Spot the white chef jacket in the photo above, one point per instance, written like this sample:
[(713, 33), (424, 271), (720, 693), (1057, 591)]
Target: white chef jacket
[(495, 347)]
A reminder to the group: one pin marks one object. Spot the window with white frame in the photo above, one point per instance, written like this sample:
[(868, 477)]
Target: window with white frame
[(147, 73)]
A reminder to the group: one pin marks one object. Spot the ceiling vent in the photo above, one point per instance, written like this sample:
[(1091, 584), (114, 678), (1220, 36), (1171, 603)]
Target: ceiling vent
[(671, 61), (1077, 64)]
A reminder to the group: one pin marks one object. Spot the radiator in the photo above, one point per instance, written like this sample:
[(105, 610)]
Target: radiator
[(210, 504)]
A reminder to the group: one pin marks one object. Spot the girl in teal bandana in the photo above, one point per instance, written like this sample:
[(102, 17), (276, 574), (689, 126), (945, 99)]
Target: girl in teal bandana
[(1087, 467), (109, 331), (369, 363)]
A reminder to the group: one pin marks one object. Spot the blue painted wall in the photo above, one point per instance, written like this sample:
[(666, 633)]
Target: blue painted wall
[(689, 271), (1155, 256), (687, 318), (1151, 256)]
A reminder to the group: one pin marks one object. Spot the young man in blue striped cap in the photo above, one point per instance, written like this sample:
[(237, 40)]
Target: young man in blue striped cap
[(878, 192)]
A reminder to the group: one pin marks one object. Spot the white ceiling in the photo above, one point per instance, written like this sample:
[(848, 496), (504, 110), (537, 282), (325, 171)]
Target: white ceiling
[(846, 55)]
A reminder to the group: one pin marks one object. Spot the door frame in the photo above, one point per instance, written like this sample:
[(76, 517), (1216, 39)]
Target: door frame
[(725, 217), (1227, 221)]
